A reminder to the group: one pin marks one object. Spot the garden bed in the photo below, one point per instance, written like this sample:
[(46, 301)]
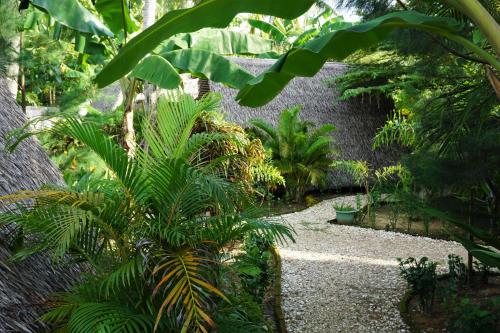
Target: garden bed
[(467, 311)]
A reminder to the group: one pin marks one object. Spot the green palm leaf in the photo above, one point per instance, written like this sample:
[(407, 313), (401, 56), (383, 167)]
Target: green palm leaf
[(184, 288)]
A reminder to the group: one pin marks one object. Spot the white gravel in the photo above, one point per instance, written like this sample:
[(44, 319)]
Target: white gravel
[(346, 279)]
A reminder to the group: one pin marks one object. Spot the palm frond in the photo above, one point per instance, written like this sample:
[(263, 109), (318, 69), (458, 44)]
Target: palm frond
[(265, 128), (185, 290), (107, 317)]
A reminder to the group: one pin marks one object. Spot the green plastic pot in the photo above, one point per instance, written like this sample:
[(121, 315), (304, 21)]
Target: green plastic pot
[(346, 216)]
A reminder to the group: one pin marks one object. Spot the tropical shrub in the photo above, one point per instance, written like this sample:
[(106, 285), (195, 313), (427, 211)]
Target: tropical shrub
[(421, 277), (152, 234), (74, 159), (469, 317), (302, 154), (240, 158)]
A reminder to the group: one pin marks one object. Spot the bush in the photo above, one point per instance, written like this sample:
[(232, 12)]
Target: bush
[(303, 156), (153, 231), (421, 278), (469, 317)]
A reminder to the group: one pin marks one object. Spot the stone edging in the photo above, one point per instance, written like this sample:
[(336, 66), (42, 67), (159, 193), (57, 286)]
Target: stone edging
[(278, 308)]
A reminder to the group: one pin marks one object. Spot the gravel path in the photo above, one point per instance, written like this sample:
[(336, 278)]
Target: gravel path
[(346, 279)]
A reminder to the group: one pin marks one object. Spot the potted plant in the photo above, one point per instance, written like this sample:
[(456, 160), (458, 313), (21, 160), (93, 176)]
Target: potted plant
[(345, 212)]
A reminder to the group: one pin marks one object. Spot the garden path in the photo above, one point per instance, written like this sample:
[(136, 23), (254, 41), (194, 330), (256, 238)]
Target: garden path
[(339, 278)]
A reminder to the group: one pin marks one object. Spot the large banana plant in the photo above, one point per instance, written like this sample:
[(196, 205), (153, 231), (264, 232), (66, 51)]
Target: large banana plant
[(202, 54), (304, 60), (207, 14), (151, 233)]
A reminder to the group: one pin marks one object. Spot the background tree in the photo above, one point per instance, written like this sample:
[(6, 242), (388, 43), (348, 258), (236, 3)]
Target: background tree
[(446, 116)]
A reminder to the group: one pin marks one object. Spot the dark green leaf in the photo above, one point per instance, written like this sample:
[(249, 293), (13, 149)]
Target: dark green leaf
[(73, 15), (113, 12)]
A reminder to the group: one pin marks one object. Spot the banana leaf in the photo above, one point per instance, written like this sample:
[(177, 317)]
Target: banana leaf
[(209, 65), (113, 12), (219, 41), (486, 255), (308, 59), (209, 13), (73, 15), (157, 71), (269, 29)]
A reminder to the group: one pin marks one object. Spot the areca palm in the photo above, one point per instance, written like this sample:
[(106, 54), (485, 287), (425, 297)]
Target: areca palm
[(151, 233), (302, 156)]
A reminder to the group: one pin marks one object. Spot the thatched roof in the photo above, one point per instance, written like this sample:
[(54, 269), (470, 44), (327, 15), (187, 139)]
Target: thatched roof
[(356, 120), (24, 286)]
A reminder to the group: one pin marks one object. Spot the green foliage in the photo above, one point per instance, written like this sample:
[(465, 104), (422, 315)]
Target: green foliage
[(343, 207), (223, 42), (398, 130), (9, 22), (208, 65), (54, 72), (359, 171), (288, 33), (421, 278), (239, 157), (73, 15), (153, 231), (254, 266), (201, 54), (446, 120), (469, 317), (315, 53), (457, 273), (158, 71), (74, 159), (114, 13), (212, 13), (302, 155)]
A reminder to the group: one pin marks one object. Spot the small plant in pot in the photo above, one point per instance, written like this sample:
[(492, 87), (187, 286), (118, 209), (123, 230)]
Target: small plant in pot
[(345, 212)]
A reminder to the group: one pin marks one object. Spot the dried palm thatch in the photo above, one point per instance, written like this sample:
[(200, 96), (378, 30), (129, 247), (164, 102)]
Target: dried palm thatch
[(356, 120), (24, 286)]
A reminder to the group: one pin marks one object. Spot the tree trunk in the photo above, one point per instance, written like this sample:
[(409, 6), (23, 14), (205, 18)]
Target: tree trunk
[(470, 258), (149, 15), (12, 70)]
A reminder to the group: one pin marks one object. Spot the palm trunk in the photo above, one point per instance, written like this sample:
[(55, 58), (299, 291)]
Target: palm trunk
[(129, 139), (149, 14)]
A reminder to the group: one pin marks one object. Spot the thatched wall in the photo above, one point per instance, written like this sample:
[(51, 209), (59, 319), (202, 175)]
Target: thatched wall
[(24, 286), (356, 120)]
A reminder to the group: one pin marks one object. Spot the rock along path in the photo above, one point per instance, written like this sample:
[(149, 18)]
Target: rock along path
[(340, 278)]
